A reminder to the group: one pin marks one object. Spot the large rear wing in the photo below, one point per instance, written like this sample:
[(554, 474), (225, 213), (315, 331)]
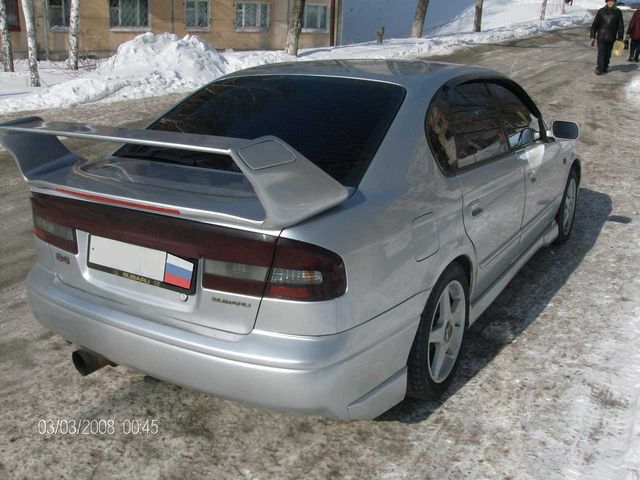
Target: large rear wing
[(289, 186)]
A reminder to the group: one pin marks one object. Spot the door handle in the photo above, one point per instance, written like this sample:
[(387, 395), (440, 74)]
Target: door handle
[(532, 176), (476, 209)]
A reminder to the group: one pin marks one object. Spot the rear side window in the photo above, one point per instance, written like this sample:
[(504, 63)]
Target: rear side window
[(336, 123), (440, 133), (476, 123), (520, 124)]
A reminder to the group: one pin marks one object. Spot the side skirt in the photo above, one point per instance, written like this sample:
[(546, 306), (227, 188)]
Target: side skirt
[(482, 303)]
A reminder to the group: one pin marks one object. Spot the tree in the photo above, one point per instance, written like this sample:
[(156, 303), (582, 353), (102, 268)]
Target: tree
[(543, 9), (74, 27), (7, 51), (295, 26), (418, 19), (477, 21), (27, 10)]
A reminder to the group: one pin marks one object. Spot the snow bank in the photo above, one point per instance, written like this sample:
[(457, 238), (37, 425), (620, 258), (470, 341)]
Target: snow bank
[(151, 65), (146, 66), (362, 18), (500, 14)]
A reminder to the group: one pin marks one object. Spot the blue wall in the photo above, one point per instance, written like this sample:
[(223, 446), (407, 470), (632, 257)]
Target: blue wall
[(363, 18)]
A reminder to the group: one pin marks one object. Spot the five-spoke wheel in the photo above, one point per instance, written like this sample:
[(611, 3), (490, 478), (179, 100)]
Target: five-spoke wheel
[(436, 348), (567, 212), (447, 331)]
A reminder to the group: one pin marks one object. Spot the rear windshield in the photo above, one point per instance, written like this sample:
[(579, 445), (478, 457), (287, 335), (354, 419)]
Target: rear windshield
[(336, 123)]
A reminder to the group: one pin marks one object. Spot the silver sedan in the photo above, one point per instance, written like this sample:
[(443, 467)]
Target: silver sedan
[(312, 237)]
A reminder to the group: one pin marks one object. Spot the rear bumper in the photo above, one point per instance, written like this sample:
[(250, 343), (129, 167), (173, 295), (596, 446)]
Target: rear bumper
[(356, 374)]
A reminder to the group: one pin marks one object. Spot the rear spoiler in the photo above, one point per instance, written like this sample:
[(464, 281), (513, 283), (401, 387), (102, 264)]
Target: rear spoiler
[(288, 185)]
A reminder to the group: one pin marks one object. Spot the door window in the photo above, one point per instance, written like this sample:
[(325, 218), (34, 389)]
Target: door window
[(440, 133), (476, 124), (521, 126)]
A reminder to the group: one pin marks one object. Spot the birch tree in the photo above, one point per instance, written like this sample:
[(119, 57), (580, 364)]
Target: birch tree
[(295, 27), (477, 21), (419, 17), (74, 27), (543, 9), (7, 51), (27, 10)]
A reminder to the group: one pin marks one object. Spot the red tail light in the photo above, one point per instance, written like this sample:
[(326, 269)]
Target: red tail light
[(48, 228), (235, 277), (300, 271), (305, 272)]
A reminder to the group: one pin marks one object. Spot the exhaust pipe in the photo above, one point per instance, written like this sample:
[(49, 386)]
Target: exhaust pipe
[(87, 362)]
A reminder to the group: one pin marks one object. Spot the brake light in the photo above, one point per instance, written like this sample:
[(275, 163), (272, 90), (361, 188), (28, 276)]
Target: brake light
[(242, 278), (51, 232), (302, 271)]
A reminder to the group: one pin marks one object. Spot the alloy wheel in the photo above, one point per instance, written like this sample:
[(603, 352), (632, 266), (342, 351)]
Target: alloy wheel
[(447, 331), (569, 206)]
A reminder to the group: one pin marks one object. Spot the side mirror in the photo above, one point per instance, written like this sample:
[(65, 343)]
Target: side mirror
[(566, 130)]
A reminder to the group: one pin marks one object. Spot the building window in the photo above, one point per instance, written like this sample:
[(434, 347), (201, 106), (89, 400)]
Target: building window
[(12, 15), (128, 13), (252, 16), (58, 13), (196, 14), (315, 17)]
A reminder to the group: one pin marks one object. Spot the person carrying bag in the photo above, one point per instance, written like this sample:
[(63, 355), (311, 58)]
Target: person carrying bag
[(608, 26)]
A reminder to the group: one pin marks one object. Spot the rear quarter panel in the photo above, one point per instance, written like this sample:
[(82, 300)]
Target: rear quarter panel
[(380, 234)]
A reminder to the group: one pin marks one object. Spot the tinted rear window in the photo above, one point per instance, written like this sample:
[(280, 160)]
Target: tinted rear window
[(336, 123)]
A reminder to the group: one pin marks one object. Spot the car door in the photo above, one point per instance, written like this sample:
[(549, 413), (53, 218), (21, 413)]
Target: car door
[(491, 179), (539, 157)]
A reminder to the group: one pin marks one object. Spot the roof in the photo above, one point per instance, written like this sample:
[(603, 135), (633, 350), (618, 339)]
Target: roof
[(402, 72)]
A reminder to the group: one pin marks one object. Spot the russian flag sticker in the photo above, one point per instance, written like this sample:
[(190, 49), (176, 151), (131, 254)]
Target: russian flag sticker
[(178, 272)]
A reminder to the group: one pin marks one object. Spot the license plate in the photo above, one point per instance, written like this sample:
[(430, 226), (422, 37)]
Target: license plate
[(141, 264)]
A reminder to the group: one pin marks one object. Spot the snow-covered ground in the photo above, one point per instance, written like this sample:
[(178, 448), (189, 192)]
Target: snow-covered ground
[(153, 65), (363, 18), (634, 90)]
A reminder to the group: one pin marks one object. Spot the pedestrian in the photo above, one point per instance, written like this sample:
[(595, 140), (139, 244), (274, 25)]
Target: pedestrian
[(608, 26), (633, 36)]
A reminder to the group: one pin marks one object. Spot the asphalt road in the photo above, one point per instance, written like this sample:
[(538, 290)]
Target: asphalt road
[(548, 386)]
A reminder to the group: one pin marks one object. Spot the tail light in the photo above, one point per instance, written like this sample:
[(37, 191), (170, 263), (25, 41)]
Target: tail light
[(305, 272), (300, 271), (52, 232), (234, 277)]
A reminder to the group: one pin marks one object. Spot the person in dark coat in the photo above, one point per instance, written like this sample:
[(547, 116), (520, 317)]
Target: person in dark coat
[(633, 35), (608, 26)]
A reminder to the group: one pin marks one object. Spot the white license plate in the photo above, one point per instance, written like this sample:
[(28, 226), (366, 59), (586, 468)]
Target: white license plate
[(141, 264)]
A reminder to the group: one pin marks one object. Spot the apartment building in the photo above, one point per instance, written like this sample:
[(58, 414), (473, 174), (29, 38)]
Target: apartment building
[(239, 25)]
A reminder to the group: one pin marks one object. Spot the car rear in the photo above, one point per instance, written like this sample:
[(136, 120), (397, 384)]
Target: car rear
[(144, 284)]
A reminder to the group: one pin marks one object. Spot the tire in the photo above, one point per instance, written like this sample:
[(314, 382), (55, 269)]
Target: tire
[(435, 353), (567, 212)]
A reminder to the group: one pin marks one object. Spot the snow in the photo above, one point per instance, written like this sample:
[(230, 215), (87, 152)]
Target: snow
[(152, 65), (362, 18), (148, 65)]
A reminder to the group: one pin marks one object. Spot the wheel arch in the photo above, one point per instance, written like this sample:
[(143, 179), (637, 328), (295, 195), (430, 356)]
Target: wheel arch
[(465, 262), (577, 164)]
